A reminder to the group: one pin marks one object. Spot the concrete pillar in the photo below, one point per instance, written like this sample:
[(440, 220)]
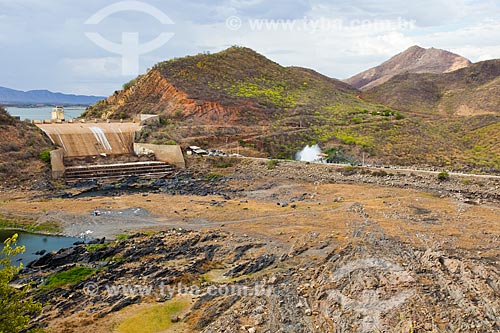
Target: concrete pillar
[(57, 163)]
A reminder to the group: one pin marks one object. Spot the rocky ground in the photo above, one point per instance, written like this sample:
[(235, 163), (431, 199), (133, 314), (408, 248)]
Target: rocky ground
[(252, 247)]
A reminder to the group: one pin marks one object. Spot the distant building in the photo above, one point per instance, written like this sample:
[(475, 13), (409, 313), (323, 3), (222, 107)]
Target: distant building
[(195, 150), (58, 113)]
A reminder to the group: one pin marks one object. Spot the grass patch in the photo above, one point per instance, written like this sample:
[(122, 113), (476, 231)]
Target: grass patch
[(214, 177), (27, 224), (122, 237), (154, 319), (95, 247), (68, 277)]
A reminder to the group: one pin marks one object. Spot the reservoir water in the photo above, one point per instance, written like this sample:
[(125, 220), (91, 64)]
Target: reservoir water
[(35, 243), (43, 113)]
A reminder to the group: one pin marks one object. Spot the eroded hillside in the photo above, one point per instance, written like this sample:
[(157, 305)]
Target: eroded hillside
[(238, 100), (20, 153)]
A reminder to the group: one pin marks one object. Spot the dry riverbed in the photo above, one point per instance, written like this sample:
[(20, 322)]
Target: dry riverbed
[(335, 251)]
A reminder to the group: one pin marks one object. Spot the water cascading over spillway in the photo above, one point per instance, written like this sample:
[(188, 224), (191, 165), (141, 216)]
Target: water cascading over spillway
[(101, 137), (308, 154)]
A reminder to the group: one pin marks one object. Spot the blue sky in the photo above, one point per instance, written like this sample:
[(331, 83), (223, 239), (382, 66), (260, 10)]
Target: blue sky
[(44, 43)]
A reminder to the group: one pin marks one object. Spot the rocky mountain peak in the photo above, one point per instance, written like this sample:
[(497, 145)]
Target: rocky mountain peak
[(413, 60)]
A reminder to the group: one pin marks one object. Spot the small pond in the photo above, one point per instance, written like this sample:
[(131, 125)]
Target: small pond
[(35, 243)]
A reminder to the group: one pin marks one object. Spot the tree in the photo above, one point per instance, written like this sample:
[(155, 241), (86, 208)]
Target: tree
[(16, 308)]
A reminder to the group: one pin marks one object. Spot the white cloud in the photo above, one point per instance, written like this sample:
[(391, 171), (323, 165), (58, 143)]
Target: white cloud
[(45, 39)]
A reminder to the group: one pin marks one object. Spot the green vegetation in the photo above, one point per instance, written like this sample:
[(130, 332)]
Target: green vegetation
[(273, 93), (45, 156), (338, 155), (271, 164), (16, 308), (122, 237), (68, 277), (443, 175), (95, 247), (26, 224), (213, 177), (155, 318), (131, 83), (276, 111)]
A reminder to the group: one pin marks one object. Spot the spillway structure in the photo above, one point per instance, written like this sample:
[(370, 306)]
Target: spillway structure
[(111, 150)]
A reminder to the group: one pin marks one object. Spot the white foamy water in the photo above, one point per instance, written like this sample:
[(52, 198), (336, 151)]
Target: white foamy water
[(101, 137), (308, 154)]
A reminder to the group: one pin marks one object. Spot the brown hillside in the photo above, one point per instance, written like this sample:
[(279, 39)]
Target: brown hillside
[(237, 86), (413, 60), (238, 96), (466, 92), (239, 101), (20, 149)]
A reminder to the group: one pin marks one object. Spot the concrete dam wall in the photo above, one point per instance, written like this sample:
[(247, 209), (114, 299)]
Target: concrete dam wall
[(88, 139)]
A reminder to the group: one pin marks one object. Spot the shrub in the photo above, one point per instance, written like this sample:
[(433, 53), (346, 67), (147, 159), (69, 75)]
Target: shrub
[(45, 156), (130, 83), (357, 120), (17, 309), (443, 175), (271, 164)]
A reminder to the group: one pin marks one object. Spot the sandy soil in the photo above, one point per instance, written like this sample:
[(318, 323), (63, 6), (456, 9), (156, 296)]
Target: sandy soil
[(410, 215), (449, 247)]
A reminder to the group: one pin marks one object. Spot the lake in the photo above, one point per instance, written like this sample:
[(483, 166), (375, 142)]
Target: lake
[(36, 242), (43, 112)]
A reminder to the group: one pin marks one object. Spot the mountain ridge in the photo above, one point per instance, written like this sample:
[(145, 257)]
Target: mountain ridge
[(464, 92), (243, 94), (413, 60), (15, 97), (241, 101)]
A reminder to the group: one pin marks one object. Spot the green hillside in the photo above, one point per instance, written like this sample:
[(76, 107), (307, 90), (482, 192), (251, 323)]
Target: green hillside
[(223, 97), (239, 98)]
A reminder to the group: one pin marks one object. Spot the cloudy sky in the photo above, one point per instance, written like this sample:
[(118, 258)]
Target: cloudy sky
[(48, 44)]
